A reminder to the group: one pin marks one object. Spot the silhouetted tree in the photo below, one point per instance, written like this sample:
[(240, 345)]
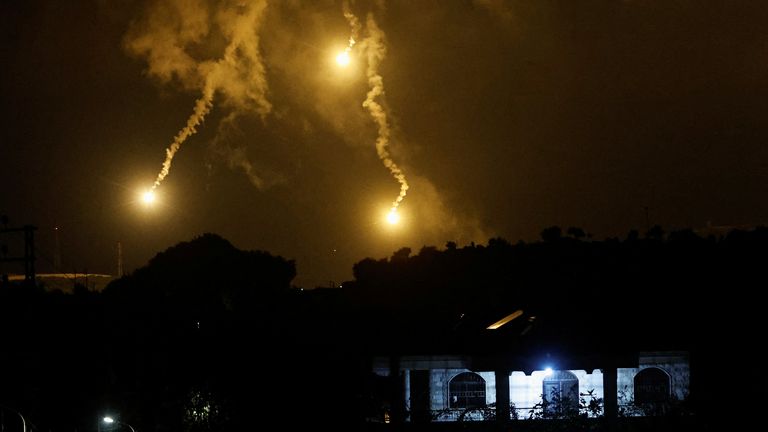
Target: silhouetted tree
[(191, 326), (207, 326), (576, 233), (655, 233), (551, 234), (401, 254)]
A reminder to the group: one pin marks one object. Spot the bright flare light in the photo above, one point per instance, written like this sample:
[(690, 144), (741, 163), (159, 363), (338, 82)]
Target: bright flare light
[(343, 59), (148, 197), (393, 217)]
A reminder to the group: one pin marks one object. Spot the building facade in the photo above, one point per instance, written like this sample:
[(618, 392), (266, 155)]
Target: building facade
[(448, 388)]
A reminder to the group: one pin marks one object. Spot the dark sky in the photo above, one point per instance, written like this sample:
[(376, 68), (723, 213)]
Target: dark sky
[(505, 116)]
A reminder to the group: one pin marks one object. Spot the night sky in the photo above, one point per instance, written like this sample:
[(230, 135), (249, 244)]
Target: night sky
[(505, 116)]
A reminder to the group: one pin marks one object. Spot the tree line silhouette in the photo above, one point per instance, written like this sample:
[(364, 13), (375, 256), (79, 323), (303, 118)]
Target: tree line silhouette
[(209, 337)]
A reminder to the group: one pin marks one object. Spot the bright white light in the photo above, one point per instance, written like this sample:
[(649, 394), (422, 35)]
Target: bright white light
[(148, 197), (393, 217), (343, 59), (548, 371), (109, 420)]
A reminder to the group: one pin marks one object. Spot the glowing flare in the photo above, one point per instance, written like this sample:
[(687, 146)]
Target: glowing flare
[(393, 217), (343, 59), (148, 197)]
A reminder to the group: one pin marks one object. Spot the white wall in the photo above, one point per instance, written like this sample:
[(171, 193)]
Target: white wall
[(675, 364), (525, 390)]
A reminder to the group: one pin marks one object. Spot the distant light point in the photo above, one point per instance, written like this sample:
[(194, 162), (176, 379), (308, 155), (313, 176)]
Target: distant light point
[(343, 59)]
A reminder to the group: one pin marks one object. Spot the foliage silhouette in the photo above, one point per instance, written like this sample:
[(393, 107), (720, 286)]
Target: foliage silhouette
[(205, 324)]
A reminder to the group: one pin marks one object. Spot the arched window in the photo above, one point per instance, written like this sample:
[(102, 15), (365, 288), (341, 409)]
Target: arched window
[(560, 392), (467, 390), (651, 386)]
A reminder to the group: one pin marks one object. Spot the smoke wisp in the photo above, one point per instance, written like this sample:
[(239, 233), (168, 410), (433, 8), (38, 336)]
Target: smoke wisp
[(375, 50), (171, 37)]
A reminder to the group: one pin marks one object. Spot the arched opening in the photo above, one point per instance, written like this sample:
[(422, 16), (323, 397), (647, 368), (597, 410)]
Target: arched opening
[(560, 392), (652, 390), (467, 390)]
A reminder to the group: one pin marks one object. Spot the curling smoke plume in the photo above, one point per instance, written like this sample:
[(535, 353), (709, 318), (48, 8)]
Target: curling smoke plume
[(354, 25), (376, 51), (175, 28)]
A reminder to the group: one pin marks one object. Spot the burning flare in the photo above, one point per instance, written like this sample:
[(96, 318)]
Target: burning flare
[(148, 197), (393, 217), (343, 59)]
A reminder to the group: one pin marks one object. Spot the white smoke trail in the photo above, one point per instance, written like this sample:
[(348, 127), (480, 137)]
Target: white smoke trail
[(202, 107), (354, 25), (239, 75), (375, 50)]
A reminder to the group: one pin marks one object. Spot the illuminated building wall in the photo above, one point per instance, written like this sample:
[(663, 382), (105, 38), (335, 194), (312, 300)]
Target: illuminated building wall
[(525, 391), (659, 375), (454, 390)]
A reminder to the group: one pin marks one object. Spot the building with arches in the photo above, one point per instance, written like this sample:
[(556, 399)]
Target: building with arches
[(454, 388)]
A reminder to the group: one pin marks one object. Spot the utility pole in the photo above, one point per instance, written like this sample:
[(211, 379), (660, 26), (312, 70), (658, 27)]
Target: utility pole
[(29, 251), (119, 259), (57, 252)]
